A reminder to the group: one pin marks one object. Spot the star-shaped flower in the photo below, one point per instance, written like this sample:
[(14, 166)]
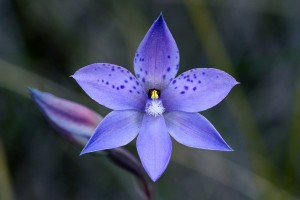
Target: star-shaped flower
[(154, 104)]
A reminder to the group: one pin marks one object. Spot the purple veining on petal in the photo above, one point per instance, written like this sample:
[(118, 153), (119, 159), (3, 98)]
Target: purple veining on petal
[(123, 125), (110, 96), (206, 92), (194, 130), (158, 54), (154, 146)]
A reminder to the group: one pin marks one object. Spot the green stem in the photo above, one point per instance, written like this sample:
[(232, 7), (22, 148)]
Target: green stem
[(5, 184)]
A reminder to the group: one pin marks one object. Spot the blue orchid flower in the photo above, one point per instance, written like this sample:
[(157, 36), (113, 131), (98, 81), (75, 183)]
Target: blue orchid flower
[(154, 104)]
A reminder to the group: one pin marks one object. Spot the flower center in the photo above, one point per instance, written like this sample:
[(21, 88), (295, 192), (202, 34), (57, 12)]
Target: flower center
[(153, 94), (154, 105)]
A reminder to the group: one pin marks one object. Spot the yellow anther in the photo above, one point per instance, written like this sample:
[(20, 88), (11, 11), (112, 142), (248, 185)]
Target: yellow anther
[(154, 94)]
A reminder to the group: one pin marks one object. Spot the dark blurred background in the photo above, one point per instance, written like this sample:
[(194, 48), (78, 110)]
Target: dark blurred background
[(257, 41)]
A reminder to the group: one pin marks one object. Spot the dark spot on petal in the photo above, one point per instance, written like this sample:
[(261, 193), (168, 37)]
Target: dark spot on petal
[(186, 87), (175, 87), (143, 79), (164, 77), (137, 83), (137, 55), (107, 83), (113, 86), (146, 72), (125, 81), (95, 69), (138, 75), (130, 91), (122, 71), (199, 81), (177, 66), (117, 88), (134, 87), (141, 69), (182, 92), (130, 78), (194, 88), (102, 81), (138, 92), (169, 69), (203, 73), (174, 82), (122, 86), (169, 57)]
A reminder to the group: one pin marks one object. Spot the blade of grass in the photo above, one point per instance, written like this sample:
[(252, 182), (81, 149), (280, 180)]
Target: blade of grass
[(17, 79), (6, 191), (293, 158), (208, 35)]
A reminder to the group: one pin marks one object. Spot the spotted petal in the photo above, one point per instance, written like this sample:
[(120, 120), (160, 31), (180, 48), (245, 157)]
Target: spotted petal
[(112, 86), (154, 146), (197, 90), (157, 57), (74, 121), (194, 130), (117, 129)]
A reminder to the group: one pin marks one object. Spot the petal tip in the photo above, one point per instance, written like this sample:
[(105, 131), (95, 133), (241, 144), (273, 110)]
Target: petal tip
[(35, 93), (161, 16), (229, 148), (160, 21), (84, 151), (154, 178), (32, 91), (73, 76), (154, 175)]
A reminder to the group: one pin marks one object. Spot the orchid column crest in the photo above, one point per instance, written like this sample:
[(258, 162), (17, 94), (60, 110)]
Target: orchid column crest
[(153, 104)]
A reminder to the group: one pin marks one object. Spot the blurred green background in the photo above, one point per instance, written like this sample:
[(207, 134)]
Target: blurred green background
[(257, 41)]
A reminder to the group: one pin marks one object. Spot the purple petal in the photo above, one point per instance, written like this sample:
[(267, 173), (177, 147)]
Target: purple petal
[(74, 121), (154, 146), (157, 57), (112, 86), (117, 129), (194, 130), (197, 90)]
